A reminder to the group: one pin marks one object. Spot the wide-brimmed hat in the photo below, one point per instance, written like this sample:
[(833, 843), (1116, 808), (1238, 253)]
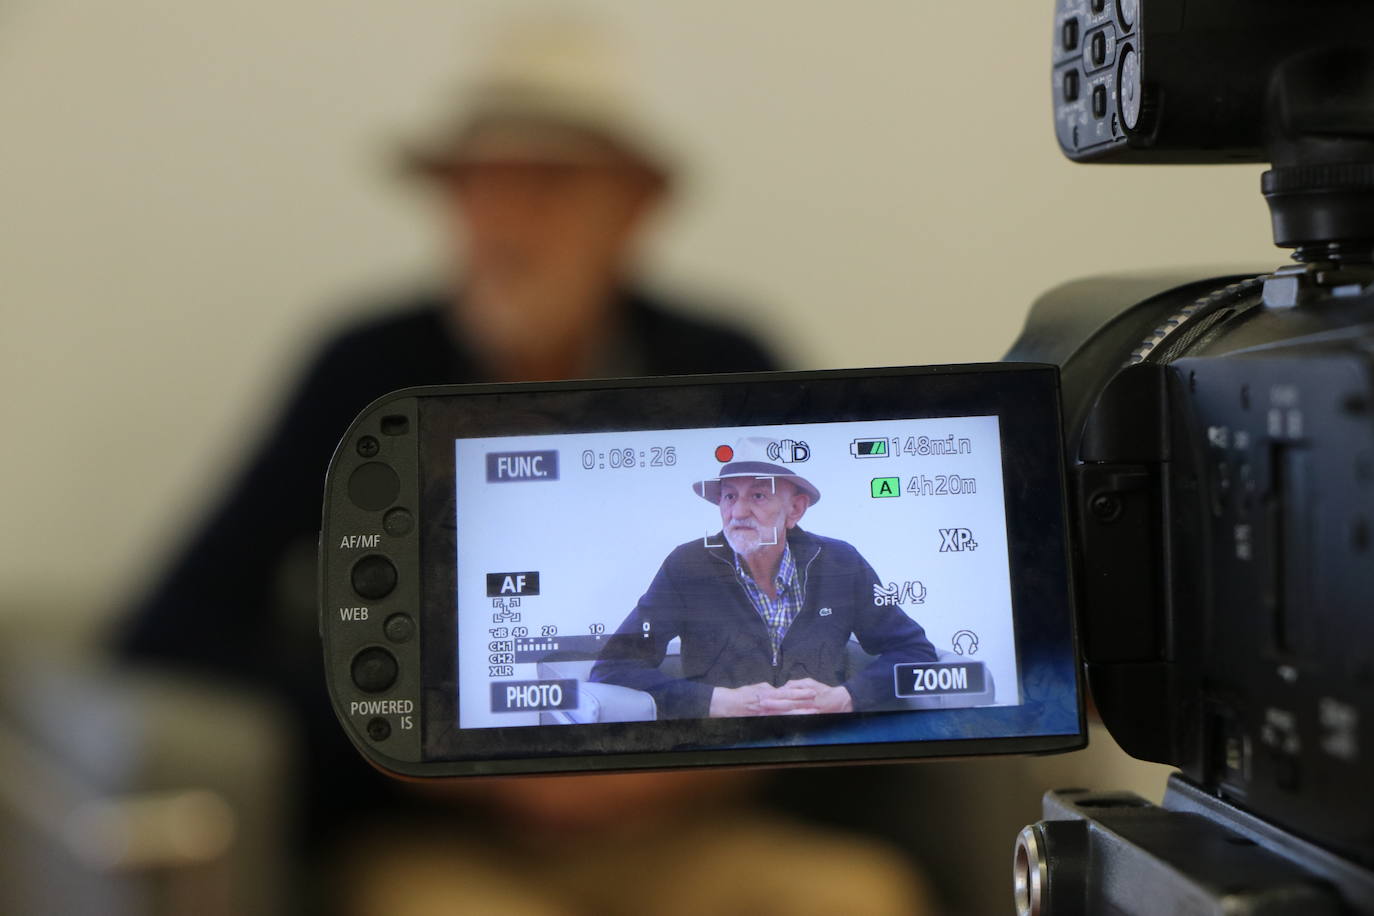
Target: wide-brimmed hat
[(549, 92), (757, 456)]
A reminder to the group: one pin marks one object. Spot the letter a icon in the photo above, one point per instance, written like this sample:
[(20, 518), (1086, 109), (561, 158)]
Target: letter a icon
[(885, 487)]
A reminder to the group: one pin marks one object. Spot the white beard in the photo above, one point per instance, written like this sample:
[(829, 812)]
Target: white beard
[(748, 541)]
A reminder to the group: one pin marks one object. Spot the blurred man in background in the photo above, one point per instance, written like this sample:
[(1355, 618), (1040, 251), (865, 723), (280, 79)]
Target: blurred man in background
[(547, 177)]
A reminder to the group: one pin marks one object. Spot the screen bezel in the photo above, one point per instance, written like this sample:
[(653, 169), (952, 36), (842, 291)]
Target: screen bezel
[(1025, 398)]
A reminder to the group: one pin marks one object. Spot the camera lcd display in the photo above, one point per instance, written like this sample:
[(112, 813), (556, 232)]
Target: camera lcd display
[(766, 568), (794, 569)]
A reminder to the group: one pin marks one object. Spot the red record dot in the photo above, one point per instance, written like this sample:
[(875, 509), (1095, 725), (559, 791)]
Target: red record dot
[(724, 453)]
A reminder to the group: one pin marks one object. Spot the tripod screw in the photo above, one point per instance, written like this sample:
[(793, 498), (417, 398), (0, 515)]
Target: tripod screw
[(1106, 507)]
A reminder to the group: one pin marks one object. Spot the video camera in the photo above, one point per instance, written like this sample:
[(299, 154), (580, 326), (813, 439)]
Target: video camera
[(1169, 488)]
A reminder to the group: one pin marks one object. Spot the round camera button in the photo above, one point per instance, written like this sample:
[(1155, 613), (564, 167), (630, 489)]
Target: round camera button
[(373, 486), (398, 522), (374, 670), (399, 627), (374, 576)]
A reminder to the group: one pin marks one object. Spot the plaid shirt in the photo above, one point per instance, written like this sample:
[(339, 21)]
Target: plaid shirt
[(777, 613)]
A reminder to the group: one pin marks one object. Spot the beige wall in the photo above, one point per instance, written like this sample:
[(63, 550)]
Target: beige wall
[(189, 190)]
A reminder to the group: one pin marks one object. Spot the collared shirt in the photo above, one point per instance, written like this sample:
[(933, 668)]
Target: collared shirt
[(777, 613)]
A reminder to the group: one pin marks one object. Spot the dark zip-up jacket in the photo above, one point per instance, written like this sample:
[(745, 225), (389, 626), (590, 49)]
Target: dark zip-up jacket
[(697, 596)]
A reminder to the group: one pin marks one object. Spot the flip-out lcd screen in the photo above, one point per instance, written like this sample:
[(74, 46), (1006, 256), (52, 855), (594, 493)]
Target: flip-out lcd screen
[(768, 568)]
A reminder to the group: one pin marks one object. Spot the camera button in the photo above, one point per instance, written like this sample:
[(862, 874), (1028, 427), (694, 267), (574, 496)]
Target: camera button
[(374, 669), (373, 576), (1099, 101), (1070, 35), (1072, 85), (398, 522), (1099, 48), (373, 486), (399, 627)]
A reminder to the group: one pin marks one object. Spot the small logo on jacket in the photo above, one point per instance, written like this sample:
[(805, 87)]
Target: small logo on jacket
[(825, 612)]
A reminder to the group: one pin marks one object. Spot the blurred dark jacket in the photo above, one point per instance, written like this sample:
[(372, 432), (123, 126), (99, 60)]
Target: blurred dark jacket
[(238, 604)]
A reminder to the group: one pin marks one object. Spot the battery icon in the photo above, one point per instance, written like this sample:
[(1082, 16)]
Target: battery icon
[(868, 448)]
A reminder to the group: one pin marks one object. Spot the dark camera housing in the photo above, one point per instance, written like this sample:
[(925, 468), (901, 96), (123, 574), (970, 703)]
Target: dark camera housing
[(1220, 429), (1223, 454)]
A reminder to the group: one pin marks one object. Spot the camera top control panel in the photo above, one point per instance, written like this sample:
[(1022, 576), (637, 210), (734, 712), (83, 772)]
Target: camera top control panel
[(1096, 72), (370, 581)]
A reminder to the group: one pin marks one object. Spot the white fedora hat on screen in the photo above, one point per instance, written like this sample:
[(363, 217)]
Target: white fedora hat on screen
[(754, 456)]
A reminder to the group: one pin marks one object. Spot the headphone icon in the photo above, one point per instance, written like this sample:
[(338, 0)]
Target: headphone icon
[(970, 644)]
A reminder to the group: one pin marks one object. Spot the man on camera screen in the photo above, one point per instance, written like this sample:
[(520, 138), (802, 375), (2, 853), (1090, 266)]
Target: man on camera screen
[(765, 610)]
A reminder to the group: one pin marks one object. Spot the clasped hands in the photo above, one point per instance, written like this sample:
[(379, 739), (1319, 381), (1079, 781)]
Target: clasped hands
[(805, 696)]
